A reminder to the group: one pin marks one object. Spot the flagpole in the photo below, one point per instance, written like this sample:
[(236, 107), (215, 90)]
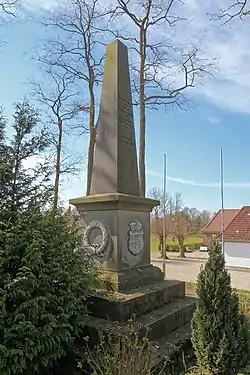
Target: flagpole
[(164, 215), (222, 198)]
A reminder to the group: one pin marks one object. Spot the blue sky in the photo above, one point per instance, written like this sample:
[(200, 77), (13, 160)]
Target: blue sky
[(219, 115)]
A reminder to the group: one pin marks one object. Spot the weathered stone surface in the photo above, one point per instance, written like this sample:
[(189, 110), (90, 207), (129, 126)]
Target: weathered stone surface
[(174, 345), (114, 201), (167, 318), (158, 322), (122, 306), (131, 278), (115, 166), (114, 206), (117, 212)]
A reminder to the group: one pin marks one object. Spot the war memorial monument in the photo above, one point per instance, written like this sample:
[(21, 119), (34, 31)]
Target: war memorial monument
[(117, 214)]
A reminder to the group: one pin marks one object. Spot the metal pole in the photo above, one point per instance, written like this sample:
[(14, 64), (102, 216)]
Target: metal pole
[(222, 199), (164, 215)]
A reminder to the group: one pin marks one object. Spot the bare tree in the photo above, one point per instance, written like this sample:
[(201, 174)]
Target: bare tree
[(205, 217), (157, 222), (239, 8), (61, 101), (195, 219), (180, 223), (155, 83), (180, 220), (156, 217), (9, 6), (78, 50)]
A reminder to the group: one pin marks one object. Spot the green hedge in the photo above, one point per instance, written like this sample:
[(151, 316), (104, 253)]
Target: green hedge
[(175, 248), (44, 281)]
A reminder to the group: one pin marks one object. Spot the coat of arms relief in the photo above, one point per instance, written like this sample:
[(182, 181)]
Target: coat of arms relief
[(135, 243)]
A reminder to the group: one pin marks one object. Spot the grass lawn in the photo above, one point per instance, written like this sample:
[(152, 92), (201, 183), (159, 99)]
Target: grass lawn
[(189, 240)]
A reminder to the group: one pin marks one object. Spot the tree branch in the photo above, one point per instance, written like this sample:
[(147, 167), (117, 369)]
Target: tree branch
[(237, 9), (9, 6)]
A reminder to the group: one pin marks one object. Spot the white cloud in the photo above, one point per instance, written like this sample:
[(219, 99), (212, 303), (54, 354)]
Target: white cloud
[(33, 161), (210, 184), (40, 4), (230, 86)]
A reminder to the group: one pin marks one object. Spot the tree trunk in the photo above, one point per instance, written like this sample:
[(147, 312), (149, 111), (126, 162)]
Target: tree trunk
[(92, 136), (182, 251), (162, 251), (161, 245), (166, 247), (58, 165), (142, 112)]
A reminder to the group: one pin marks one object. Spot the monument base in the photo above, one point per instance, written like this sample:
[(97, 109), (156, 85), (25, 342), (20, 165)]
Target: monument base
[(161, 311), (123, 224), (131, 278)]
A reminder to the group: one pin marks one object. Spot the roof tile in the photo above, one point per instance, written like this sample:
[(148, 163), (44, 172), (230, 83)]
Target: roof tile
[(239, 227), (214, 226)]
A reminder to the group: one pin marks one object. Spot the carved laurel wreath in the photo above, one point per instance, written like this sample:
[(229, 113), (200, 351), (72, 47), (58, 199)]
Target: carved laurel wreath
[(100, 250)]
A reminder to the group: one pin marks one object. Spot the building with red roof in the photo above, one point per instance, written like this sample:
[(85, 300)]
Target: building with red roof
[(236, 235), (213, 228)]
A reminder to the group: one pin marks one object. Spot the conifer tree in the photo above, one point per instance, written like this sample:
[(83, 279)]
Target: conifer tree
[(21, 186), (3, 162), (44, 280), (44, 274), (219, 331)]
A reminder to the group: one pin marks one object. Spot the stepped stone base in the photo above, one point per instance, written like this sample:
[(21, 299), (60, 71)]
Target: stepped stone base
[(162, 311), (121, 306), (176, 342)]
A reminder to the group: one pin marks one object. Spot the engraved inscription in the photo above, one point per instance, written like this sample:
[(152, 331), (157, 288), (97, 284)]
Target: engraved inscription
[(126, 121)]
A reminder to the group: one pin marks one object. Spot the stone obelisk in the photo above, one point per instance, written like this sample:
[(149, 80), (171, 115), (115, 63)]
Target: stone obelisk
[(117, 219), (115, 161)]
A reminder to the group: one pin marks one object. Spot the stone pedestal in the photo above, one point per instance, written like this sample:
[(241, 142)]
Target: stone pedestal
[(162, 313), (123, 249)]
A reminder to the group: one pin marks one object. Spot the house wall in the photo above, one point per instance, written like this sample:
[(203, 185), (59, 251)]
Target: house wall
[(237, 254)]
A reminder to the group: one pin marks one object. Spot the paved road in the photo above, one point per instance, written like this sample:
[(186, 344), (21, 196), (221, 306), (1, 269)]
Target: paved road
[(187, 270)]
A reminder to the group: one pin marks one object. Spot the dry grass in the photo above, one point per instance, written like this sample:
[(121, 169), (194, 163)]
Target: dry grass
[(121, 352)]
